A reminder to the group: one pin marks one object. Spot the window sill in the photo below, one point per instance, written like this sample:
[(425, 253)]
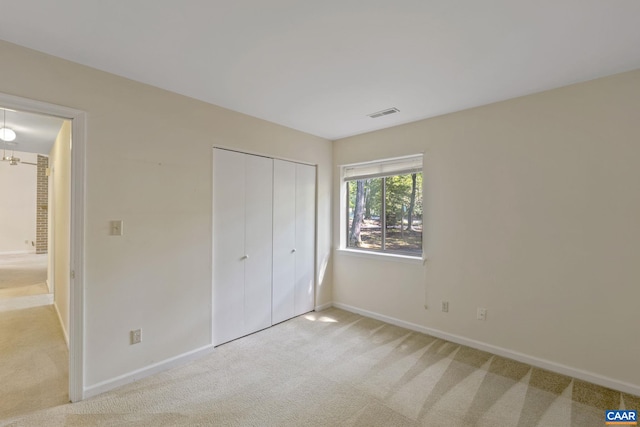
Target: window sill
[(382, 256)]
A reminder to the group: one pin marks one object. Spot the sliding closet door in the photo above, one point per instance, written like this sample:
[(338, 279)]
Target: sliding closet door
[(284, 240), (258, 243), (228, 245), (305, 238)]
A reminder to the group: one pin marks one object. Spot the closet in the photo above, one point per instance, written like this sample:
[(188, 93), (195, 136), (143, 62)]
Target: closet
[(263, 242), (293, 239)]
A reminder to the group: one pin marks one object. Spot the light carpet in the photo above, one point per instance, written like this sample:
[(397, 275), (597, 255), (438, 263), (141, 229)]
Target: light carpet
[(22, 270), (24, 291), (335, 368), (33, 361)]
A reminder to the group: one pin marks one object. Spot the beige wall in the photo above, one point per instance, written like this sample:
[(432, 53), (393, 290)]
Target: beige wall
[(60, 216), (532, 210), (18, 207), (149, 164)]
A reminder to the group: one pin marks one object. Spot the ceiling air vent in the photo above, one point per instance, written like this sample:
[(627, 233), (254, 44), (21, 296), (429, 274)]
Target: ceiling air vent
[(384, 113)]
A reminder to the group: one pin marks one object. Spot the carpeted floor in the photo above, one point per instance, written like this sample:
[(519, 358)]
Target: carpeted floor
[(336, 368), (24, 291), (33, 361), (22, 270)]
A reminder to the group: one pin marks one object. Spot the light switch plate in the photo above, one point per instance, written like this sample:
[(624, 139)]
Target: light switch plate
[(445, 306), (116, 228), (136, 336)]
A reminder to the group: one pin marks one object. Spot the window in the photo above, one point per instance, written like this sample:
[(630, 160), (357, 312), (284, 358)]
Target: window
[(384, 206)]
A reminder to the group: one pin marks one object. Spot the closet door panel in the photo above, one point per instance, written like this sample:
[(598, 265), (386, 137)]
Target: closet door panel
[(284, 238), (305, 238), (228, 245), (258, 243)]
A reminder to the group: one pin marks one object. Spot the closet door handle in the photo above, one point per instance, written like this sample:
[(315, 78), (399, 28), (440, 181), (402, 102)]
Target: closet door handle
[(245, 257), (293, 250)]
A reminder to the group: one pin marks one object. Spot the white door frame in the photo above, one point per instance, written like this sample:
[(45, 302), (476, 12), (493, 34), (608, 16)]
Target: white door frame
[(76, 288), (51, 208)]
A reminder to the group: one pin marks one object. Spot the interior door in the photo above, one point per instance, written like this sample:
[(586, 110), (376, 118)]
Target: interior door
[(284, 239), (258, 243), (228, 245), (305, 238)]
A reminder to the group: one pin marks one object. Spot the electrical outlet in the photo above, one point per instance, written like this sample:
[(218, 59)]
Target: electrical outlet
[(445, 306), (136, 336), (482, 313)]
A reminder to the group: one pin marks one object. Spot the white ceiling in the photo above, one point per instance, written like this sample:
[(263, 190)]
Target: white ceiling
[(322, 66), (35, 133)]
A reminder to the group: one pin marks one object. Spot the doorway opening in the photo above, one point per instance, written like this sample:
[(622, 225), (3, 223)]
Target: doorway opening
[(41, 267), (29, 145)]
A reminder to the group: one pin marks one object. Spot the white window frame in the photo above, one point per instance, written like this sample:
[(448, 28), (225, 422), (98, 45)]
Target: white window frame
[(378, 169)]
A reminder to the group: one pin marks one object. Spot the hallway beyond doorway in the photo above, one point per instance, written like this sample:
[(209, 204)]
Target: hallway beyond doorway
[(23, 275), (35, 368)]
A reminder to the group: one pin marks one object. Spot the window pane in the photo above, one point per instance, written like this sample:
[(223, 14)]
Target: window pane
[(403, 203), (365, 209)]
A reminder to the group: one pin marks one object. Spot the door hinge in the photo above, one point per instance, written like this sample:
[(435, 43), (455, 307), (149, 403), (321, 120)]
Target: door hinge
[(73, 274)]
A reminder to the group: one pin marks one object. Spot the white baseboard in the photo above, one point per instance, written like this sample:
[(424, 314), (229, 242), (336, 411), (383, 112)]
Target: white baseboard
[(500, 351), (139, 374), (323, 306), (64, 331)]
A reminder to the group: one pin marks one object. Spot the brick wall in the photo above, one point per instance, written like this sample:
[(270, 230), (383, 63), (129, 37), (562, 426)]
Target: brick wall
[(42, 205)]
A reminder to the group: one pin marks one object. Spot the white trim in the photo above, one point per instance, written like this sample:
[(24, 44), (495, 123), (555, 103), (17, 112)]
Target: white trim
[(323, 307), (138, 374), (383, 168), (76, 303), (388, 159), (381, 256), (17, 252), (64, 331), (500, 351)]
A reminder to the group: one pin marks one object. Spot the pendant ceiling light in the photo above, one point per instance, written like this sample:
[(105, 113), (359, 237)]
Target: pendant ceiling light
[(6, 134)]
